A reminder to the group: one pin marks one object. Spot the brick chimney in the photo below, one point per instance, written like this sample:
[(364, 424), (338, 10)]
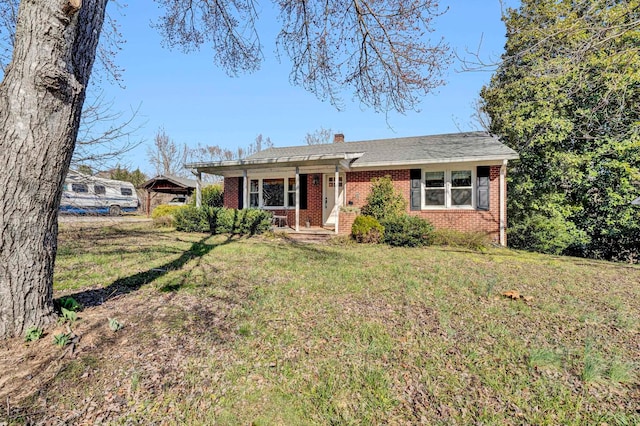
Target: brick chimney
[(338, 138)]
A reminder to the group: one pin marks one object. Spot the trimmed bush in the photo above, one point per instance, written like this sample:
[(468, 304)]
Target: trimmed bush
[(366, 229), (212, 196), (164, 210), (233, 221), (384, 202), (164, 214), (407, 231), (191, 219), (220, 220), (469, 240)]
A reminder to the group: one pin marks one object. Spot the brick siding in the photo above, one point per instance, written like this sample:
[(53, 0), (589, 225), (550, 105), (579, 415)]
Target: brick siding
[(358, 186)]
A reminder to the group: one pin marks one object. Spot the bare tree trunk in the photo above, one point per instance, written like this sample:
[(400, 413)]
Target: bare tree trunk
[(41, 99)]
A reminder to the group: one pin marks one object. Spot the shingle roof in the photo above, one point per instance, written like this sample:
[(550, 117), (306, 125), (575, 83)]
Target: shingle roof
[(418, 149)]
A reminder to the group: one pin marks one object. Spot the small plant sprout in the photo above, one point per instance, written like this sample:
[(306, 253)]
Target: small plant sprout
[(61, 340), (33, 334), (115, 325), (70, 304), (68, 315)]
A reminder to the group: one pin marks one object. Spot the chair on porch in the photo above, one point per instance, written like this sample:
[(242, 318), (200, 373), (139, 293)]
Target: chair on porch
[(280, 218)]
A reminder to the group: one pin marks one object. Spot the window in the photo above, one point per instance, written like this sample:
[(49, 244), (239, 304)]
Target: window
[(448, 189), (273, 192), (254, 193), (99, 189), (79, 187), (126, 191), (434, 189), (461, 191), (291, 193)]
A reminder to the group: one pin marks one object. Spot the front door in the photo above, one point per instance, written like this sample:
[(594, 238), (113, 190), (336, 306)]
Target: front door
[(330, 210)]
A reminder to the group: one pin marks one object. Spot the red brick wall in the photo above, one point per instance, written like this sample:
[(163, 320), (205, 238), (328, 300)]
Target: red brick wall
[(231, 191), (359, 186)]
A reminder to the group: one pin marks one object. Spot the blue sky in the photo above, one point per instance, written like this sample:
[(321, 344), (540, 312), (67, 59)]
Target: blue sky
[(196, 102)]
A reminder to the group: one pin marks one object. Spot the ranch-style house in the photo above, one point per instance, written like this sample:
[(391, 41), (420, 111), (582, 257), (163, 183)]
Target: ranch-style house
[(455, 181)]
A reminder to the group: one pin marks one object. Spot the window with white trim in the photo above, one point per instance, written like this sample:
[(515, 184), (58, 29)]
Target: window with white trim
[(272, 192), (448, 188), (291, 193), (254, 193)]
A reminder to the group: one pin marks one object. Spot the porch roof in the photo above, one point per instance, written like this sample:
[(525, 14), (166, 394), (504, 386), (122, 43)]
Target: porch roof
[(434, 149)]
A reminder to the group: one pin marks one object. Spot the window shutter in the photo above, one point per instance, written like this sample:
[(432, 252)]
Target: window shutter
[(240, 193), (416, 200), (482, 176), (303, 192)]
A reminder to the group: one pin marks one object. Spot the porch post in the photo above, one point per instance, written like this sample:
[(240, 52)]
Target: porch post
[(336, 197), (245, 190), (199, 189), (148, 202), (297, 199)]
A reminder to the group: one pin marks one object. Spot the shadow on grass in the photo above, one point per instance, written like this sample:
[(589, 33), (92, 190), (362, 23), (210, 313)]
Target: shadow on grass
[(125, 285)]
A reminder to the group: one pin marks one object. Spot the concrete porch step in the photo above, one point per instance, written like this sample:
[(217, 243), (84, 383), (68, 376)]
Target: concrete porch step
[(308, 237)]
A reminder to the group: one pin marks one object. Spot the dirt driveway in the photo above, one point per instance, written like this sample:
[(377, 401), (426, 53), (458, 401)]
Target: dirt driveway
[(99, 220)]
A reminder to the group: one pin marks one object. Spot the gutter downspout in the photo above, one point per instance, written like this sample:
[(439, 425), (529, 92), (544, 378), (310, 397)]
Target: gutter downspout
[(336, 197), (297, 199), (503, 173)]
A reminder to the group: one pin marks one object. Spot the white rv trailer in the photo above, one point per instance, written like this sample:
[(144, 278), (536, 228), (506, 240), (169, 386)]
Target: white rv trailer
[(90, 194)]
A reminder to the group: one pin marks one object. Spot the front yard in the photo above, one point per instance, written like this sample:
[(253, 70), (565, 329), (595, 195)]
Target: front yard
[(265, 331)]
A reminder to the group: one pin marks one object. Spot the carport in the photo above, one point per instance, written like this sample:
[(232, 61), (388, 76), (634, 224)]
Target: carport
[(167, 184)]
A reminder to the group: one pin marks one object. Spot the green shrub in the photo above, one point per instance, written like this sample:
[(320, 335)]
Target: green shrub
[(164, 215), (212, 196), (164, 210), (545, 232), (384, 202), (191, 219), (367, 229), (233, 221), (407, 231), (221, 220), (469, 240)]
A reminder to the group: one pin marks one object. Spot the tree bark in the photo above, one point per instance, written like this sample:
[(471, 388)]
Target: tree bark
[(41, 99)]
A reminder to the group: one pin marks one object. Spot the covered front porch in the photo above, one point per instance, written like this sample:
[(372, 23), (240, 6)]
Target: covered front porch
[(304, 193)]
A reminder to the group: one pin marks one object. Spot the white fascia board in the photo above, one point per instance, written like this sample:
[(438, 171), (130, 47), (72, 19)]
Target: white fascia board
[(491, 159), (227, 168)]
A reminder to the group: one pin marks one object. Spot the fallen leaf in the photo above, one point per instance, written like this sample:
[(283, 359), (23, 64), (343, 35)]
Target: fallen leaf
[(512, 294)]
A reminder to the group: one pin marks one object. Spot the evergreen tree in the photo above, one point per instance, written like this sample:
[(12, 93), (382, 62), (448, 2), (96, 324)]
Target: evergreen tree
[(566, 96)]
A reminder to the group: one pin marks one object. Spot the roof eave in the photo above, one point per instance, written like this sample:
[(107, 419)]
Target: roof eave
[(358, 165), (300, 160)]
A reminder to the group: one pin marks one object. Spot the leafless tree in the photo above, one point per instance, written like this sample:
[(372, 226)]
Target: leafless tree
[(378, 49), (319, 136), (166, 156)]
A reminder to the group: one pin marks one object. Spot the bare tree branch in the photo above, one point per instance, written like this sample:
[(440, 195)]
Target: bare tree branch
[(229, 25)]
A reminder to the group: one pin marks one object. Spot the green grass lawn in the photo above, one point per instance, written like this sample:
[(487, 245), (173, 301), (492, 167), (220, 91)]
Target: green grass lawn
[(264, 331)]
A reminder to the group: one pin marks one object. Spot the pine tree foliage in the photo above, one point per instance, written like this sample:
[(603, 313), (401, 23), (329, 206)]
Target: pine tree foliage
[(566, 96)]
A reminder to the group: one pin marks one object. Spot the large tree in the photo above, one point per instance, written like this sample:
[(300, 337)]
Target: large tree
[(566, 96), (105, 135), (376, 48)]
